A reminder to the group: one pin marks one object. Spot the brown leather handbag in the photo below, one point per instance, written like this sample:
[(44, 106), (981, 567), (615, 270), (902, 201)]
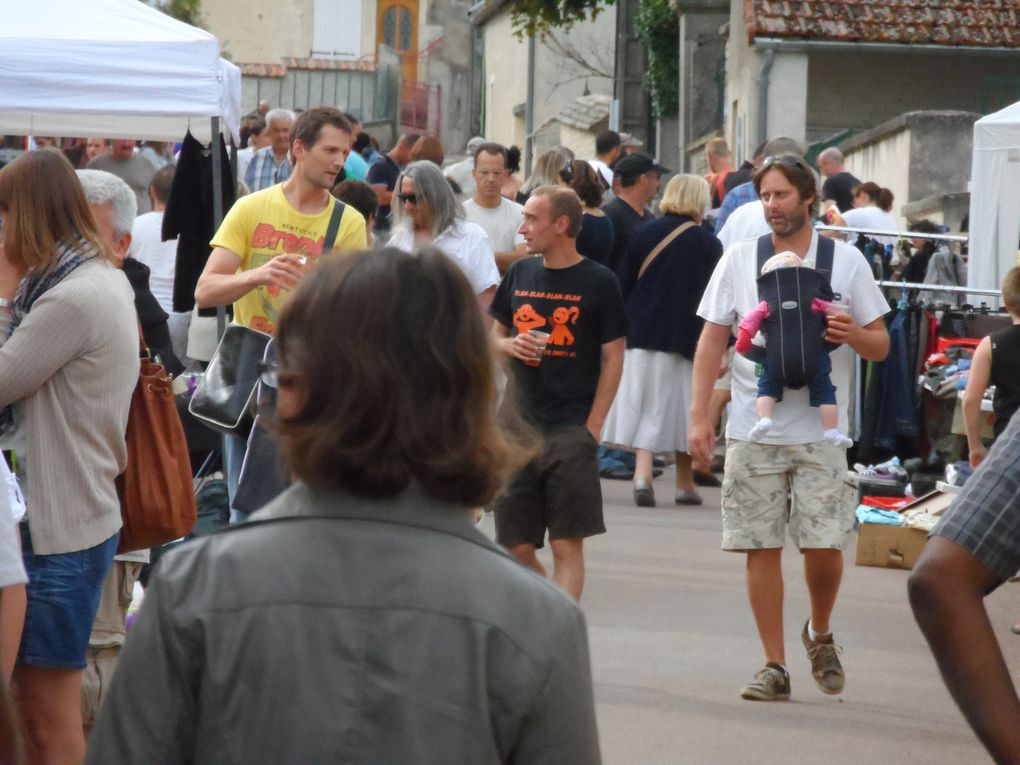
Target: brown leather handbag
[(157, 496)]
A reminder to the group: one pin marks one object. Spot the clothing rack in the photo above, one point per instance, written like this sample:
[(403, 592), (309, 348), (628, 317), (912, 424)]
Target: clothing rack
[(963, 238)]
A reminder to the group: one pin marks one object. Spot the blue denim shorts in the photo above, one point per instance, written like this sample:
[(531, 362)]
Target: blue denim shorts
[(63, 597)]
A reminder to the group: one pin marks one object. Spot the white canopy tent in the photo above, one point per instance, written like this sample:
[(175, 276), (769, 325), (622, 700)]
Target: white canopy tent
[(994, 198), (112, 69)]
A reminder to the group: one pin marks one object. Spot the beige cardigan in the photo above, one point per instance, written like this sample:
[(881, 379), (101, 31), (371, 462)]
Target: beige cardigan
[(74, 362)]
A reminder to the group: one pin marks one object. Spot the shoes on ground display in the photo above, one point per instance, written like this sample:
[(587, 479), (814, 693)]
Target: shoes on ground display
[(825, 666), (891, 470), (770, 684)]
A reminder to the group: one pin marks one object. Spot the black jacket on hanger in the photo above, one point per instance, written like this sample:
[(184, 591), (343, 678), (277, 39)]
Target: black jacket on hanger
[(189, 214)]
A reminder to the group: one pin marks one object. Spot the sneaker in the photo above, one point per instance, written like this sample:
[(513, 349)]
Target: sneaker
[(891, 470), (771, 684), (825, 666)]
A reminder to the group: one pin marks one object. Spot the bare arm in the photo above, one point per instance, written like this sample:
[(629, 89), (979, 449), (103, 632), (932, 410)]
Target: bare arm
[(609, 381), (977, 382), (871, 341), (221, 283), (707, 361), (484, 301), (506, 259)]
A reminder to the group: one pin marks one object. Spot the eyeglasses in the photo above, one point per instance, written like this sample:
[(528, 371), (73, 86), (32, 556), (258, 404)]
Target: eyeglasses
[(405, 198), (790, 160)]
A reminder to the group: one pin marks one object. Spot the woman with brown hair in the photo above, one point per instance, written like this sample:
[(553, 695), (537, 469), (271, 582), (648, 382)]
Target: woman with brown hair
[(428, 147), (365, 587), (872, 210), (595, 239), (67, 372)]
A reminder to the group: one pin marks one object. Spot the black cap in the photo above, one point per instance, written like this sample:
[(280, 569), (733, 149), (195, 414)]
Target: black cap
[(637, 164)]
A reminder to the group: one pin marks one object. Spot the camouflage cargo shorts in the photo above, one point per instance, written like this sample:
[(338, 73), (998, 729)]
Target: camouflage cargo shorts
[(767, 487)]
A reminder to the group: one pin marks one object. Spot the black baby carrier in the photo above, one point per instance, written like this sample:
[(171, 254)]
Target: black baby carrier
[(795, 345)]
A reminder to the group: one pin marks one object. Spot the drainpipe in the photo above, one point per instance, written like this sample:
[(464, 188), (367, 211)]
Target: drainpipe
[(529, 109), (763, 94)]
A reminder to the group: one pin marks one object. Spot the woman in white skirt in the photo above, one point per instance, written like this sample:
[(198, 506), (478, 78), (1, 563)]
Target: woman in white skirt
[(666, 269)]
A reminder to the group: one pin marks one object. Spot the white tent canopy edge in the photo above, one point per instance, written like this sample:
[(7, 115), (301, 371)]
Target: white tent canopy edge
[(122, 70), (994, 197)]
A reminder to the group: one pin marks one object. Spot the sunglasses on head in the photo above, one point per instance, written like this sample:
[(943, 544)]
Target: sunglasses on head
[(405, 198), (790, 160)]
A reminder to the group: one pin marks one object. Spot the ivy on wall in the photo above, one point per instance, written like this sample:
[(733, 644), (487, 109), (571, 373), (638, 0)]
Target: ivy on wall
[(657, 29)]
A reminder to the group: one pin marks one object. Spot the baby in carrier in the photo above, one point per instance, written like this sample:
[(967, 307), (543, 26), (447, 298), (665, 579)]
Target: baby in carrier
[(791, 316)]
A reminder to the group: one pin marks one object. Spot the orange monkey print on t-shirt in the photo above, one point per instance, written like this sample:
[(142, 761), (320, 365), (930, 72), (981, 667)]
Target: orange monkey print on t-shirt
[(526, 319)]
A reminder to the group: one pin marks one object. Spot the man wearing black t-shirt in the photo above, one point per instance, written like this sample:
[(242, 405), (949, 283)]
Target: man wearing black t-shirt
[(382, 177), (640, 177), (839, 185), (562, 384)]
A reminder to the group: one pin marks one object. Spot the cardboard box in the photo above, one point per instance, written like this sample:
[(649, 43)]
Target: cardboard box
[(889, 546), (898, 546)]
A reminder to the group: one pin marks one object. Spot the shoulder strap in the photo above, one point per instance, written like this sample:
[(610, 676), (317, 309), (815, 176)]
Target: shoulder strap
[(663, 244), (765, 251), (333, 227), (826, 251)]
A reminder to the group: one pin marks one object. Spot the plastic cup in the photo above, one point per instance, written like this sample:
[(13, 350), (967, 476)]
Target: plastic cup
[(543, 338)]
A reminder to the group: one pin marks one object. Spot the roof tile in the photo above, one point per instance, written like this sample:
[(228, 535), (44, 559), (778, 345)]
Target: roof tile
[(969, 23)]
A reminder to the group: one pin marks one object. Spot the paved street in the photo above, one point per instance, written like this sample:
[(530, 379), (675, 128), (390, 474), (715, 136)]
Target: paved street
[(673, 641)]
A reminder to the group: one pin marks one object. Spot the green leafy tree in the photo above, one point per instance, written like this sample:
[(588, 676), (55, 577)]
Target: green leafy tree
[(536, 17), (657, 29), (188, 11)]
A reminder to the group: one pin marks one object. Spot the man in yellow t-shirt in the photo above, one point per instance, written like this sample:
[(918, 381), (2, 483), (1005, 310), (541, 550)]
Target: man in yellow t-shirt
[(270, 239)]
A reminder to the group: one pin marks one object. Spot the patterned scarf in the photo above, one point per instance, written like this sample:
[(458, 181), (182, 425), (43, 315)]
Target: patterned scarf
[(70, 255)]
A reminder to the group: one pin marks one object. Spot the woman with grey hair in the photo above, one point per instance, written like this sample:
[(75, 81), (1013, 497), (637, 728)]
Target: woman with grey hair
[(427, 213)]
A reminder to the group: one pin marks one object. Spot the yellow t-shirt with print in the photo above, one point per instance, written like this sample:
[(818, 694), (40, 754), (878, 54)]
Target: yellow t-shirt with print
[(263, 225)]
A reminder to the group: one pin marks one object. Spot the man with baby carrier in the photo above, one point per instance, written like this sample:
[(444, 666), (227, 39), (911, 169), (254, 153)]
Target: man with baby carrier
[(788, 474)]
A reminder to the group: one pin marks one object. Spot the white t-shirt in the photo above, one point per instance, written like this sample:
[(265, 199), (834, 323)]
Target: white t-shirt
[(745, 222), (874, 218), (243, 160), (603, 169), (500, 223), (732, 292), (159, 256), (466, 244)]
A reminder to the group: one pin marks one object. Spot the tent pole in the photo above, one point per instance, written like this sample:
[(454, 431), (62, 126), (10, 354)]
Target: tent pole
[(217, 192)]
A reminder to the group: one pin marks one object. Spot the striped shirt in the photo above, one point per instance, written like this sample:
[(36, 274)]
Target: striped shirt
[(263, 171)]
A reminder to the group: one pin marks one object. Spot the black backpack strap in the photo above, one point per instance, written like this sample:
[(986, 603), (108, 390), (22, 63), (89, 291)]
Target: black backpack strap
[(333, 227), (826, 251), (765, 251)]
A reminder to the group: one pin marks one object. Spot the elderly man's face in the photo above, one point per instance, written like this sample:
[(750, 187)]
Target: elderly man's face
[(104, 223), (279, 135)]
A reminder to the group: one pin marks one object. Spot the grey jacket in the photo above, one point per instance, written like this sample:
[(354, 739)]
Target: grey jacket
[(390, 631)]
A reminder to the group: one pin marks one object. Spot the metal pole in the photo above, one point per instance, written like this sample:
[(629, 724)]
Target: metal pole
[(963, 238), (529, 109), (217, 191), (940, 288)]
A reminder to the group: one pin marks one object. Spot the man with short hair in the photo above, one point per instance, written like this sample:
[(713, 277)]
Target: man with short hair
[(839, 184), (793, 462), (355, 166), (270, 238), (562, 386), (607, 150), (382, 177), (720, 167), (500, 217), (738, 217), (148, 247), (271, 165), (639, 177), (132, 168), (256, 137)]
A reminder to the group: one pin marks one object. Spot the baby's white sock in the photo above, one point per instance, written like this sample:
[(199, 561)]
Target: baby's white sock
[(760, 428), (833, 436)]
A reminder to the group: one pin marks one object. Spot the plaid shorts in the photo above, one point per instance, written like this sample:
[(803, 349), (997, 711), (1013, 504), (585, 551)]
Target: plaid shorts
[(767, 488), (985, 518)]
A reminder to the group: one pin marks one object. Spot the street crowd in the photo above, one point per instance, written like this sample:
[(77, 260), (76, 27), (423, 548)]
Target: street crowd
[(450, 340)]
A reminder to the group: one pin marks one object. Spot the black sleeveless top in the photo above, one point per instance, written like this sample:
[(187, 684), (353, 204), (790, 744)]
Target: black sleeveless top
[(1005, 375)]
